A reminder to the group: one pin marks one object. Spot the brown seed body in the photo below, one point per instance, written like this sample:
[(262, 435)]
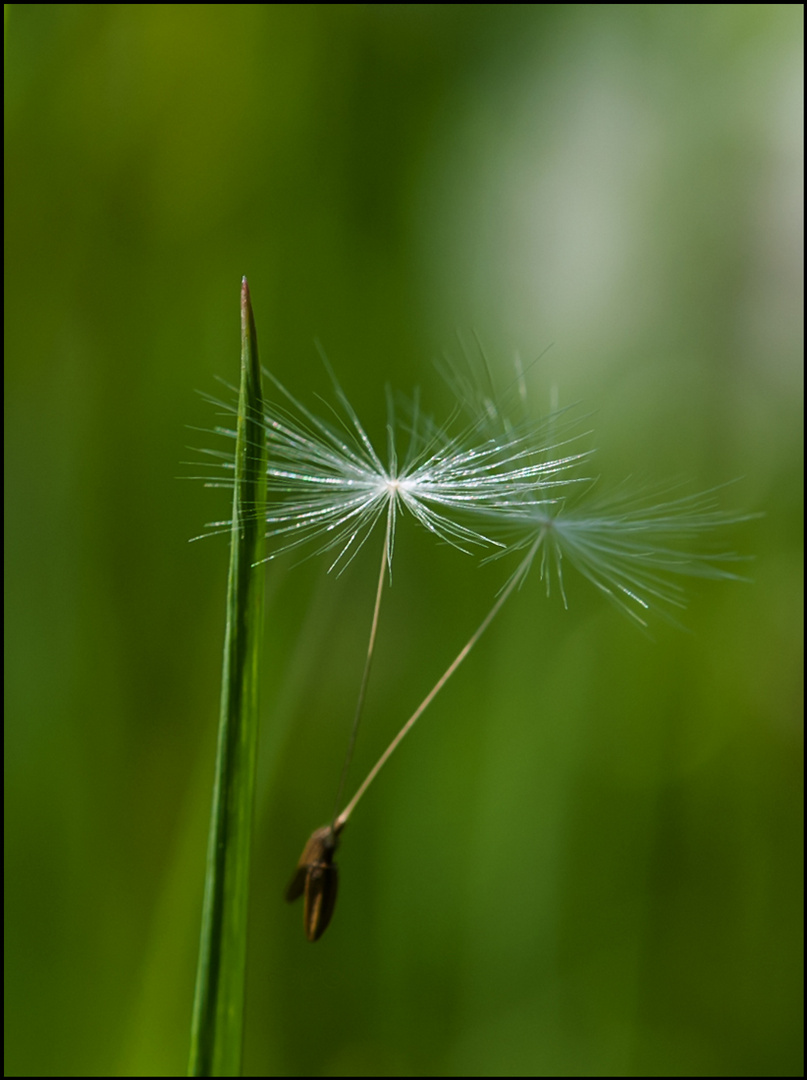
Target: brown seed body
[(317, 877)]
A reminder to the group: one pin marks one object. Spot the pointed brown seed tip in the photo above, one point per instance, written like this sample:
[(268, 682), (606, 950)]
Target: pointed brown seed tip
[(320, 898)]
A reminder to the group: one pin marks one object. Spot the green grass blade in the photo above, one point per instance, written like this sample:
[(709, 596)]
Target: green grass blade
[(218, 1010)]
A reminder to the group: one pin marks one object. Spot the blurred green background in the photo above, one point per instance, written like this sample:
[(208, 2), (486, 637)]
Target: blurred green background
[(587, 859)]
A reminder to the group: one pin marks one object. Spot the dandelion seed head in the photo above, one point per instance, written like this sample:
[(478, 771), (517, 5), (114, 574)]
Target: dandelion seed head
[(635, 548), (327, 485), (494, 484)]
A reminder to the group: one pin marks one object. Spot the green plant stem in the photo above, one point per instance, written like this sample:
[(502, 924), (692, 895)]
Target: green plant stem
[(218, 1011)]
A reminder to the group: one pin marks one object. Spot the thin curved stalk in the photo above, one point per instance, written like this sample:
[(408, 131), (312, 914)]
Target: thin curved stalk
[(367, 663), (517, 577)]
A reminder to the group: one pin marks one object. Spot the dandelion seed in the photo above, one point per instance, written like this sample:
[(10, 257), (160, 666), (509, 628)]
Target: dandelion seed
[(328, 486), (632, 547), (509, 486)]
